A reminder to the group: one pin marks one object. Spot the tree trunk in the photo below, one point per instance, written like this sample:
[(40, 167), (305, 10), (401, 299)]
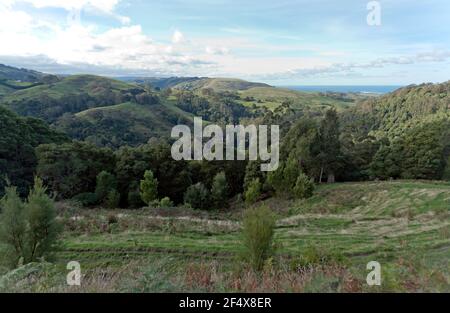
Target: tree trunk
[(331, 178), (321, 175)]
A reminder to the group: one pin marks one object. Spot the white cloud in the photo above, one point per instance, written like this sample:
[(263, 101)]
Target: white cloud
[(217, 50), (102, 5), (177, 37)]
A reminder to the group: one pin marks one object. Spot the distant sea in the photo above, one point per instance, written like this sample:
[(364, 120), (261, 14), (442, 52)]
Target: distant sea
[(345, 89)]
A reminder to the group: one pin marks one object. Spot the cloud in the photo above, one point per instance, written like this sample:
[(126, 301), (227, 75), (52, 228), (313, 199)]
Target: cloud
[(217, 50), (101, 5), (177, 37), (351, 68)]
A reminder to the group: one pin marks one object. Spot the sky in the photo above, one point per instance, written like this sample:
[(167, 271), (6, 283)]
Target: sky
[(283, 42)]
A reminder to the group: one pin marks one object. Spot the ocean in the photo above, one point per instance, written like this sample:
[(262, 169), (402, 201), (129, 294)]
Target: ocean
[(345, 89)]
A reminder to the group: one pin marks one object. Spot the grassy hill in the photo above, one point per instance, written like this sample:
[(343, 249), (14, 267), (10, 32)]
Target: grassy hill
[(324, 244), (123, 124), (19, 74)]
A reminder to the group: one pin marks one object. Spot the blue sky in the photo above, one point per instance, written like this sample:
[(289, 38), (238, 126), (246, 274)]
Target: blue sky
[(319, 42)]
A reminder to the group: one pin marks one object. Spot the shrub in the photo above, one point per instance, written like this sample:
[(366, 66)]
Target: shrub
[(149, 187), (12, 227), (304, 187), (253, 191), (105, 183), (196, 196), (166, 202), (86, 199), (257, 236), (112, 200), (134, 199), (219, 190), (28, 230)]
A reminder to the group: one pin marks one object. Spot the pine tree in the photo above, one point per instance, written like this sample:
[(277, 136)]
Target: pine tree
[(149, 187), (219, 190)]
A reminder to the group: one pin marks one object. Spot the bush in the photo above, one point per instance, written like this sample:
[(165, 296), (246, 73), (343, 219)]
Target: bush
[(196, 196), (112, 200), (105, 183), (253, 192), (149, 188), (86, 199), (166, 202), (28, 231), (134, 199), (257, 236), (304, 187), (219, 190)]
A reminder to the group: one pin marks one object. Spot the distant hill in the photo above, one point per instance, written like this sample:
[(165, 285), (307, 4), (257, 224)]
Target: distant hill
[(122, 124), (197, 83), (70, 95), (19, 74), (404, 108)]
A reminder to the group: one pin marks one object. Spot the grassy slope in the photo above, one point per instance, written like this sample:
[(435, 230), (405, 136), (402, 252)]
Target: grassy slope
[(359, 220), (271, 98), (139, 121), (71, 85)]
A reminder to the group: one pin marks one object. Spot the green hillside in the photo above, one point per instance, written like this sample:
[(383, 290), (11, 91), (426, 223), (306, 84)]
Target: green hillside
[(405, 108), (19, 74), (72, 94), (127, 123), (218, 84)]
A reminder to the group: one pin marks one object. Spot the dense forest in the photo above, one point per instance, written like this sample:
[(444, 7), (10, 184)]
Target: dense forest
[(101, 141)]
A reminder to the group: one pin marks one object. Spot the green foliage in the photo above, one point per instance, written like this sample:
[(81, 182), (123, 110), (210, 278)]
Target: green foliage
[(28, 230), (289, 180), (149, 187), (18, 138), (253, 191), (72, 168), (219, 190), (43, 228), (134, 199), (304, 187), (86, 199), (112, 199), (197, 196), (105, 183), (166, 202), (12, 227), (257, 236)]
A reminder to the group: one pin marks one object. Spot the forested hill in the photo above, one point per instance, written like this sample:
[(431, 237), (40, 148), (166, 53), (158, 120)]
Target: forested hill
[(404, 108), (18, 138), (404, 134)]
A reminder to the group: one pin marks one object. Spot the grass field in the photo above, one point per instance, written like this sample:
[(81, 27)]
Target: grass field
[(323, 244)]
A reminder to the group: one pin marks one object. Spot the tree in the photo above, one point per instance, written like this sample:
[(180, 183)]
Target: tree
[(329, 149), (219, 190), (304, 187), (72, 168), (43, 228), (197, 196), (12, 227), (112, 199), (149, 187), (106, 183), (258, 227), (28, 230), (253, 191)]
